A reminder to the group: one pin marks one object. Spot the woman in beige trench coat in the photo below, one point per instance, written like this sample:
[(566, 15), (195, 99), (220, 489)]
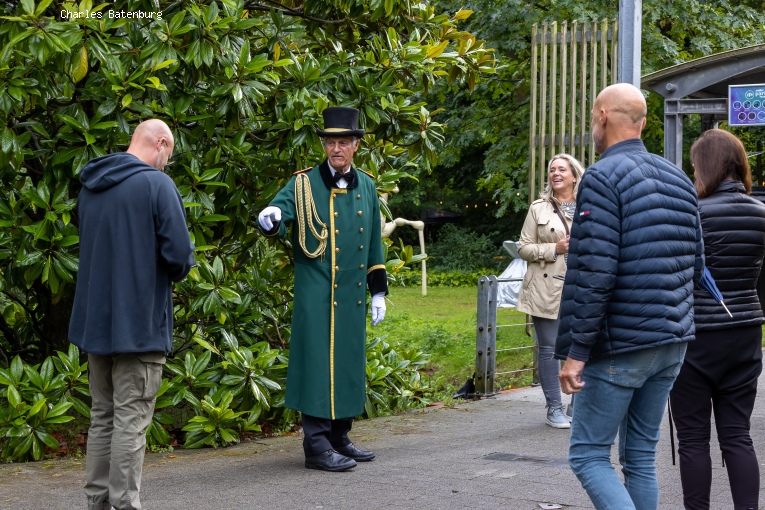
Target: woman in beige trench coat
[(544, 245)]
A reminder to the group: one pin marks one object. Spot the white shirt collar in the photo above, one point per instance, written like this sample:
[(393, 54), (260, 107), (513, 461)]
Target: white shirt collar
[(342, 183)]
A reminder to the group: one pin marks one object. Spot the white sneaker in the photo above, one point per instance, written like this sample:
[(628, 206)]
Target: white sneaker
[(556, 416)]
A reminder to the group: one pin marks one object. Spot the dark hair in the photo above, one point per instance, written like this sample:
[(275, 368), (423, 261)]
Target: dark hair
[(718, 155)]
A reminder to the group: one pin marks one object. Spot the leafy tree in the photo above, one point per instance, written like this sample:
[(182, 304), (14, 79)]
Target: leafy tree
[(491, 124), (242, 85)]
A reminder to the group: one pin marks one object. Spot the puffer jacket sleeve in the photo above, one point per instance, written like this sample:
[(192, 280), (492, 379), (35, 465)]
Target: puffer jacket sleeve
[(597, 233), (700, 262)]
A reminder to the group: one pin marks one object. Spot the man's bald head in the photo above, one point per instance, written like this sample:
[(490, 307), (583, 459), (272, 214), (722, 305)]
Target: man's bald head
[(618, 114), (152, 142)]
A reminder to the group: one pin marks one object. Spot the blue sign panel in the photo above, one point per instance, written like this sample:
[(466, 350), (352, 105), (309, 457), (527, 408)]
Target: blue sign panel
[(746, 105)]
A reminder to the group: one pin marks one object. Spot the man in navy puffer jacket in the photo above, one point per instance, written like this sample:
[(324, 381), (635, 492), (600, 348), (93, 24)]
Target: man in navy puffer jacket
[(627, 305)]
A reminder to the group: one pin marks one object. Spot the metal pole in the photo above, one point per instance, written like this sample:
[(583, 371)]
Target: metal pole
[(673, 132), (486, 335), (630, 33)]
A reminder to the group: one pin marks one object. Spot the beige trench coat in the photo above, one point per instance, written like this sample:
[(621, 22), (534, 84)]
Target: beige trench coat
[(540, 292)]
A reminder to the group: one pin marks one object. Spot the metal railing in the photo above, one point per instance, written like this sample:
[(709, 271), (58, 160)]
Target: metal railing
[(486, 336)]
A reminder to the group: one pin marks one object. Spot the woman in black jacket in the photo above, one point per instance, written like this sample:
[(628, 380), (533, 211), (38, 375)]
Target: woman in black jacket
[(722, 365)]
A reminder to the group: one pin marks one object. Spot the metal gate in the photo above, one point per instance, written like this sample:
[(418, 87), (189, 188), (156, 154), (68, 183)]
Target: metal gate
[(486, 336)]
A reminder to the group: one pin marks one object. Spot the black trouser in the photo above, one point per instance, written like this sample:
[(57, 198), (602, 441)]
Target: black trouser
[(719, 374), (322, 434)]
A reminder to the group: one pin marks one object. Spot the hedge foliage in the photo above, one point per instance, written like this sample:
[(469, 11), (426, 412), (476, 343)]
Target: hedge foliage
[(242, 85)]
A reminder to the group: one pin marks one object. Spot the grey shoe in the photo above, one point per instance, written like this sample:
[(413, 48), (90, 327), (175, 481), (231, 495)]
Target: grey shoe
[(570, 412), (556, 416)]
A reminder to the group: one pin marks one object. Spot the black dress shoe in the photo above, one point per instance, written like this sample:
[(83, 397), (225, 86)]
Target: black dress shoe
[(354, 453), (329, 461)]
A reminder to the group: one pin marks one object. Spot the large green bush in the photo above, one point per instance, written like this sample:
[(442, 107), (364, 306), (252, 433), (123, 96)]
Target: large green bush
[(460, 249), (242, 86), (214, 397)]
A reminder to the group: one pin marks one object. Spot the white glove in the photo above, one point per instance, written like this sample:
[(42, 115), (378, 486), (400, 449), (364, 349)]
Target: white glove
[(378, 308), (269, 216)]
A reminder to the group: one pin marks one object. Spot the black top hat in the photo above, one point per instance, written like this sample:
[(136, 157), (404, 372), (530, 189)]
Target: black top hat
[(340, 121)]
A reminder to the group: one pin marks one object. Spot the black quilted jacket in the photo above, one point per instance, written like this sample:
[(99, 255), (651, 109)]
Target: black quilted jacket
[(733, 226)]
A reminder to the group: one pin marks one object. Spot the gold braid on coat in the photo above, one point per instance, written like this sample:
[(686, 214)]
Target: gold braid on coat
[(306, 210)]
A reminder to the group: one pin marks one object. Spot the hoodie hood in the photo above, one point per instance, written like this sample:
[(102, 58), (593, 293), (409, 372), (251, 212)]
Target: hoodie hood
[(102, 173)]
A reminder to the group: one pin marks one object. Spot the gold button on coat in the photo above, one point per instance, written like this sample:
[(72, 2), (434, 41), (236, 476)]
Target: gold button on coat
[(335, 285), (358, 285), (336, 214), (358, 303), (361, 247), (360, 213), (337, 232), (335, 303), (361, 230), (361, 266), (358, 196), (337, 250)]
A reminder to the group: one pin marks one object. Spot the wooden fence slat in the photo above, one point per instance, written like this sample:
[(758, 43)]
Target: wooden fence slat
[(593, 78), (553, 85), (582, 92), (564, 82), (572, 110), (603, 53), (533, 114), (542, 111), (563, 90)]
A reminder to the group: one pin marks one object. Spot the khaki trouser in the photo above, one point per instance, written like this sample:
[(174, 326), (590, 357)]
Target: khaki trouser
[(123, 388)]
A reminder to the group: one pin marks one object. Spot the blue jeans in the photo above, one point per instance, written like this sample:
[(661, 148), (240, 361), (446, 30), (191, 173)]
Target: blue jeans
[(626, 393)]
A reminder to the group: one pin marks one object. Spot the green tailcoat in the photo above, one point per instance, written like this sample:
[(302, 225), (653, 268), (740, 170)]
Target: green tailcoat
[(326, 376)]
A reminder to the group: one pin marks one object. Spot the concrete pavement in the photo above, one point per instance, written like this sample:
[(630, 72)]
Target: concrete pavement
[(492, 453)]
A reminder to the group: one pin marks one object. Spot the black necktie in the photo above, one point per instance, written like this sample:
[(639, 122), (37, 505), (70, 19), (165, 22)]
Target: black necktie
[(347, 176)]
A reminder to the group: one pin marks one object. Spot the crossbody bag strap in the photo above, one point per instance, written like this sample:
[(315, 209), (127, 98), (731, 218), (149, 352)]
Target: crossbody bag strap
[(560, 215)]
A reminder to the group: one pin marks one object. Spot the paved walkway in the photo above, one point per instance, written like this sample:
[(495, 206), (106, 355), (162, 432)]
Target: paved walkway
[(490, 454)]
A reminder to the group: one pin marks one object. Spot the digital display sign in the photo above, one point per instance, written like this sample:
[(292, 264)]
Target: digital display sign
[(746, 105)]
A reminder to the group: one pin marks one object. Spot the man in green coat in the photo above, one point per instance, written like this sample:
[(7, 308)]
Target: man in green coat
[(336, 236)]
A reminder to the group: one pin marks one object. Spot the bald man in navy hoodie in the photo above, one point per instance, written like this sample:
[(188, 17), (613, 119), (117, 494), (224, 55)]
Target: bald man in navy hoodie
[(134, 243)]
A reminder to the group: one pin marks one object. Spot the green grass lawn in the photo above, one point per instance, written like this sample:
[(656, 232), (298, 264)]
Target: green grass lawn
[(443, 324)]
